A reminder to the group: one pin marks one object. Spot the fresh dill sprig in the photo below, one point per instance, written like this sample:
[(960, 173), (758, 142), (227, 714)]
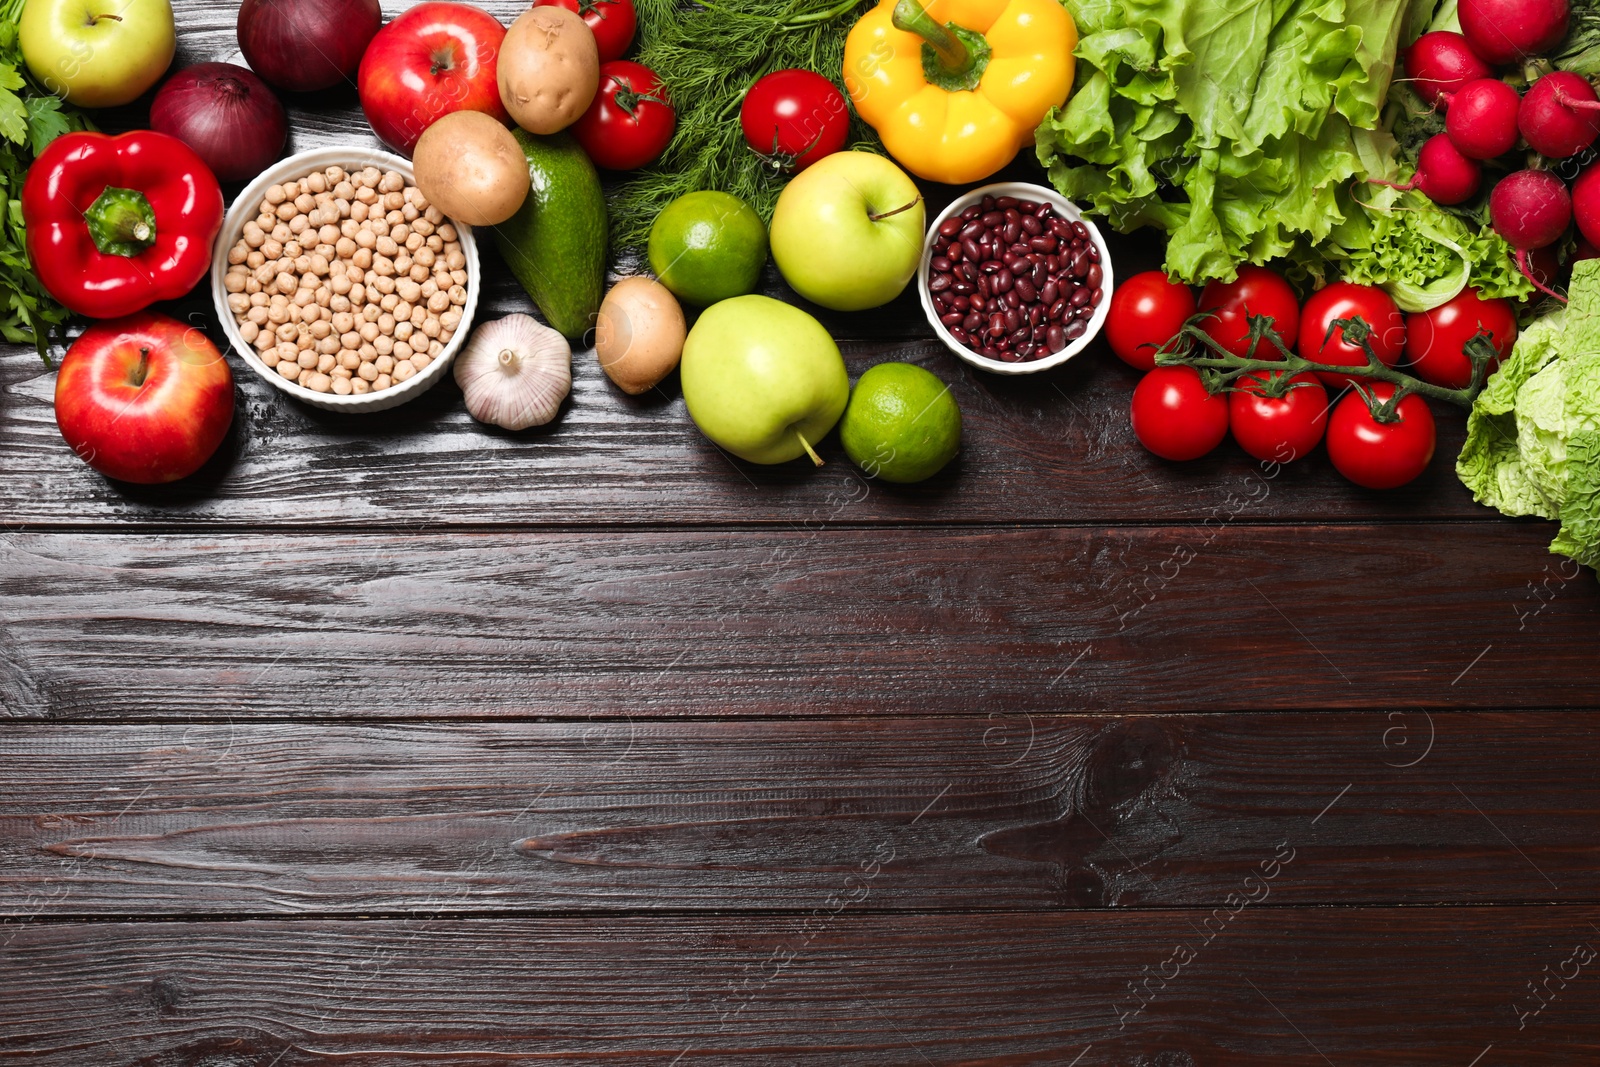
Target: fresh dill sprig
[(707, 54)]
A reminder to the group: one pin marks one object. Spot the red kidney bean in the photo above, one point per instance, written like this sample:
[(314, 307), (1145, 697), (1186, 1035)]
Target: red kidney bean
[(1049, 292), (959, 303), (1094, 254), (1057, 338), (977, 300), (971, 213), (1005, 203), (997, 324), (974, 229), (1094, 298), (1045, 213), (952, 251), (1030, 226), (1042, 244), (1058, 309), (1012, 299), (940, 283), (940, 263), (1084, 312), (950, 227), (970, 250), (986, 205), (1036, 315), (1080, 231), (1075, 329), (962, 287), (1025, 290), (969, 271), (1093, 276), (1011, 233), (1079, 298), (972, 322), (991, 219), (1001, 282), (952, 318)]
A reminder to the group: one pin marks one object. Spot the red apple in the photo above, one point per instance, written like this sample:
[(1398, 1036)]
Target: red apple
[(144, 399), (434, 59)]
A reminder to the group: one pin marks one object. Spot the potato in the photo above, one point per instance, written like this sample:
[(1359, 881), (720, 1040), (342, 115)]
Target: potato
[(549, 69), (639, 334), (471, 168)]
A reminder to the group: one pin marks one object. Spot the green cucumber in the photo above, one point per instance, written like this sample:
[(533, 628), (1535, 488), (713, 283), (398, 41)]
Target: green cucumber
[(555, 244)]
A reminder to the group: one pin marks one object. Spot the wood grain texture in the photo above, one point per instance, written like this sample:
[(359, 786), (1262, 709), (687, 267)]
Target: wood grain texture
[(830, 622), (1273, 987), (1008, 812)]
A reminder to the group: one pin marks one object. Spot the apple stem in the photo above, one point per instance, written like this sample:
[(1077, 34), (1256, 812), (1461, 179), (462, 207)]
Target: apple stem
[(97, 18), (143, 368), (809, 450), (903, 207)]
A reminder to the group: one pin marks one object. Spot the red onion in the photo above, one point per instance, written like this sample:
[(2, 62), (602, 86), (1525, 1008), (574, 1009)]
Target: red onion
[(305, 45), (226, 114)]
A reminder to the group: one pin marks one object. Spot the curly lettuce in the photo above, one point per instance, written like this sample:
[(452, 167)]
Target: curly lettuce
[(1533, 437), (1239, 127)]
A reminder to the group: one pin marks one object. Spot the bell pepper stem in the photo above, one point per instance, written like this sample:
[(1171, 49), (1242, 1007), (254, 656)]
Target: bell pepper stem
[(954, 57), (121, 222)]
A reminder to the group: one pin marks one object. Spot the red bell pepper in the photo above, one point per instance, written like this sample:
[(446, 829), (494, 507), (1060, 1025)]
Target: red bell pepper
[(117, 223)]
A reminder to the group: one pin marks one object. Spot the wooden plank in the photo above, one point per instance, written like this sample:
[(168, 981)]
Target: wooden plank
[(832, 622), (1009, 812), (1272, 987), (1058, 449)]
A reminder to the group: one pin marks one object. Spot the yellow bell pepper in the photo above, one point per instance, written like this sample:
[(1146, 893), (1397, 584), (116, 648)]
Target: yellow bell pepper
[(956, 89)]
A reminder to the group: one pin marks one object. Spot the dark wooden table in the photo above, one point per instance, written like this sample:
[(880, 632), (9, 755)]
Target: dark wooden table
[(398, 739)]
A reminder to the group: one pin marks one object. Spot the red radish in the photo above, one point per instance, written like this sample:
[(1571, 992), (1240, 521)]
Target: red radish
[(1444, 175), (1442, 62), (1504, 31), (1530, 209), (1586, 205), (1482, 118), (1560, 116)]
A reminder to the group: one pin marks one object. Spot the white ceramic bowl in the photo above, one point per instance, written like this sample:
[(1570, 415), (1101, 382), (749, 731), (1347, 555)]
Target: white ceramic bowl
[(243, 210), (1063, 207)]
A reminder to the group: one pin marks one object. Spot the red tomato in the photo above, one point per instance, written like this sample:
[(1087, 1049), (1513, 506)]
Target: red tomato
[(1274, 429), (1435, 339), (1146, 311), (1380, 455), (792, 118), (1256, 291), (1345, 300), (1174, 416), (630, 121), (613, 22)]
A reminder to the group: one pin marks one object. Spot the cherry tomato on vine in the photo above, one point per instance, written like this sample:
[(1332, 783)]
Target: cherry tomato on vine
[(792, 118), (630, 121), (1146, 311), (1345, 300), (1175, 417), (613, 22), (1436, 340), (1277, 429), (1380, 455), (1256, 291)]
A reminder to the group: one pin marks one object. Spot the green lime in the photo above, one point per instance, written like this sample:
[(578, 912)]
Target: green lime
[(902, 424), (708, 246)]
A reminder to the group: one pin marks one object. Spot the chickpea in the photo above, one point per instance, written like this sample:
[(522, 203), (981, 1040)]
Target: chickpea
[(383, 382), (384, 286), (385, 246), (368, 372), (280, 232), (395, 218), (351, 340), (423, 228), (344, 248), (360, 385), (446, 230), (368, 332), (275, 195), (458, 295), (400, 232), (342, 372), (270, 357), (389, 302), (367, 353), (289, 369), (305, 202), (436, 244), (422, 255), (278, 315), (237, 253), (402, 327), (434, 348), (401, 351), (254, 260), (285, 211), (444, 336), (454, 260), (249, 331), (450, 319), (287, 332), (383, 346), (344, 190), (421, 361), (326, 362), (328, 345), (419, 273), (258, 299), (306, 359), (358, 212), (298, 224), (327, 235), (410, 213), (317, 182), (234, 284), (367, 196), (404, 370), (430, 328), (402, 264), (370, 313), (358, 294), (341, 386), (362, 258), (320, 383)]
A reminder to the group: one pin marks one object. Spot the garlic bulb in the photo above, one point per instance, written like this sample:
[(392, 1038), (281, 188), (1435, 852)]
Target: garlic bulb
[(515, 372)]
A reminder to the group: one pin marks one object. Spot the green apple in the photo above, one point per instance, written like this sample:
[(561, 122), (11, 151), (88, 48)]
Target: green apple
[(97, 53), (847, 231), (763, 379)]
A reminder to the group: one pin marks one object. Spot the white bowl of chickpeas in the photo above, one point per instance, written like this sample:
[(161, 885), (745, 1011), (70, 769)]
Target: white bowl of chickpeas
[(336, 281)]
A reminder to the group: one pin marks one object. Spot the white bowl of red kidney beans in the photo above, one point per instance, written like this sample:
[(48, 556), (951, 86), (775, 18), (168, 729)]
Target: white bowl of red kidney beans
[(1014, 279)]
